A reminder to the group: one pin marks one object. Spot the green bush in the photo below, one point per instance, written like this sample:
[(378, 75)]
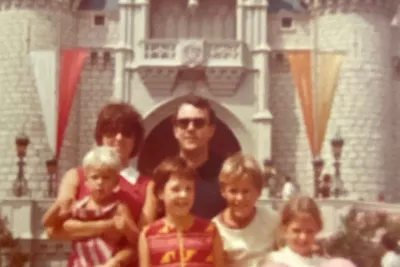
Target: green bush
[(359, 239)]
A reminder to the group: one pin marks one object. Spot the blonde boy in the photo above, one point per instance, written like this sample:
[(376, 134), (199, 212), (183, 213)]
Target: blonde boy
[(247, 229)]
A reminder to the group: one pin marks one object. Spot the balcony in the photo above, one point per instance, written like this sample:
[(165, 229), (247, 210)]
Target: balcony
[(221, 61)]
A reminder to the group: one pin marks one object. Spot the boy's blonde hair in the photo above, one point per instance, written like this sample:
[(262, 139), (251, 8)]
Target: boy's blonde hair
[(240, 166), (102, 157)]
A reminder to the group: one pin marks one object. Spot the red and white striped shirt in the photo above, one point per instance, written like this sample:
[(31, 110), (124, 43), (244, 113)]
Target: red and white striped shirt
[(92, 251)]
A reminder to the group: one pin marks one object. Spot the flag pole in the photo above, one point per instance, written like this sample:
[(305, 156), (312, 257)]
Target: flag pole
[(316, 160)]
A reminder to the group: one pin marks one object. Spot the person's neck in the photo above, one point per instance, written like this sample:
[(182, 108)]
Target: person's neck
[(234, 222), (97, 203), (195, 158), (125, 164), (181, 223)]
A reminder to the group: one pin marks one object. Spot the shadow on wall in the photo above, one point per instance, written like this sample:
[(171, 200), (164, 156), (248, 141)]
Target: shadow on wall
[(285, 128), (161, 143)]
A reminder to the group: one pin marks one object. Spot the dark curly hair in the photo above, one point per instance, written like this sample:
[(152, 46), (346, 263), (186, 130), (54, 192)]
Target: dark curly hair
[(120, 118)]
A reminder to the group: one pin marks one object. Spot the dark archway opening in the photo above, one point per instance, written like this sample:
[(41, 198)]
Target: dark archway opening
[(161, 143)]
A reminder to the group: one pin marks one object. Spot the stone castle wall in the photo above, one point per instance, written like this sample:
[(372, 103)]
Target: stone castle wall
[(21, 31), (363, 111), (364, 104)]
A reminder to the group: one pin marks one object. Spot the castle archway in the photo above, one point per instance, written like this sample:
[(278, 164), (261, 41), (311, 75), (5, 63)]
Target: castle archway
[(230, 135)]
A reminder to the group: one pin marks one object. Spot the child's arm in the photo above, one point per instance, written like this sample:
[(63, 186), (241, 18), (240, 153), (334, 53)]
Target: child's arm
[(68, 187), (149, 211), (61, 207), (122, 258), (80, 229), (218, 251), (144, 255), (51, 218), (124, 222), (74, 229)]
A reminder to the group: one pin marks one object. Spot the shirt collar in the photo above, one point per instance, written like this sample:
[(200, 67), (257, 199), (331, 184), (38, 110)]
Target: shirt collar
[(130, 174)]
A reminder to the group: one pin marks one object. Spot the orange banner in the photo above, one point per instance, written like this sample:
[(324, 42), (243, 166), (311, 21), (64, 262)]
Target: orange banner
[(329, 64), (300, 65)]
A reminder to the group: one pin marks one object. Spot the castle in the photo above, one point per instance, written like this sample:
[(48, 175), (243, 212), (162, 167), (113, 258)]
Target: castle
[(143, 52), (137, 54)]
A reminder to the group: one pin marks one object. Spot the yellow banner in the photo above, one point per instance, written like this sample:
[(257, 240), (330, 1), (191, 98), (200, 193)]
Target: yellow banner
[(328, 78), (300, 65)]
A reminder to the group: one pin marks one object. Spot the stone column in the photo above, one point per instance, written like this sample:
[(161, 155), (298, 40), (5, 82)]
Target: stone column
[(252, 29), (122, 51), (140, 21)]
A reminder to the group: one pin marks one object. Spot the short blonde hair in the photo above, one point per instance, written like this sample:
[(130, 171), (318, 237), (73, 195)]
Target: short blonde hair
[(240, 166), (102, 156)]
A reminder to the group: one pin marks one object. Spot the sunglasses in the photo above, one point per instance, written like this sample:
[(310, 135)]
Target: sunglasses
[(198, 123)]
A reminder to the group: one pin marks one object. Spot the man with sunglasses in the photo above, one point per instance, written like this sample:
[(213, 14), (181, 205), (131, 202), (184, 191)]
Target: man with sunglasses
[(194, 126)]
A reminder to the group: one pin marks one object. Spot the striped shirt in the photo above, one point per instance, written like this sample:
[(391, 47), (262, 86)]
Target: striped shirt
[(92, 251)]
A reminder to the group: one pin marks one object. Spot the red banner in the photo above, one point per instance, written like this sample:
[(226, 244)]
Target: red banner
[(72, 61)]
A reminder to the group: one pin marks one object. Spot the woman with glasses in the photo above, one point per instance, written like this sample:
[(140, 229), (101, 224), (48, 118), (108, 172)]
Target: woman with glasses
[(119, 126)]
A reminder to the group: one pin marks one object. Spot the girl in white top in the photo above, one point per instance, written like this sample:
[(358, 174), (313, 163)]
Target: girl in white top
[(300, 223), (391, 258), (247, 230)]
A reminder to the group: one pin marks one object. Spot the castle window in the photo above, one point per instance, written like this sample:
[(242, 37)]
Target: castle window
[(94, 57), (99, 20), (106, 57), (287, 22)]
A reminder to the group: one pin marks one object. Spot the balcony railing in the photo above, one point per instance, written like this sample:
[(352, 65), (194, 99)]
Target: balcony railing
[(174, 52), (221, 61)]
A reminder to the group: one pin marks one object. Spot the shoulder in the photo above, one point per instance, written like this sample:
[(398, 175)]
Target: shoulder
[(276, 256), (204, 225), (216, 159), (156, 227), (144, 179), (219, 223), (126, 198), (74, 174)]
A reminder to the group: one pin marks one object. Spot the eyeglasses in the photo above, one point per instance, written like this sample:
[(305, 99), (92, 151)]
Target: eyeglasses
[(198, 123)]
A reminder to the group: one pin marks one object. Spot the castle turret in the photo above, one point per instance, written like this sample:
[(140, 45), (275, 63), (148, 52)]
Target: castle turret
[(30, 25), (363, 106)]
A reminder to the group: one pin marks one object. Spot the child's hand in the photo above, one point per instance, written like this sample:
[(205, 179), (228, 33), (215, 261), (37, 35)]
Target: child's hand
[(120, 223), (65, 206), (109, 263)]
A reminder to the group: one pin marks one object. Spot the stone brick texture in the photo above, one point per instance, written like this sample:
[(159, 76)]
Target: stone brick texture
[(364, 107)]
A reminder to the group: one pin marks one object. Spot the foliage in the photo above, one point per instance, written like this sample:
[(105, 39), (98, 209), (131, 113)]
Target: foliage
[(359, 239), (10, 249)]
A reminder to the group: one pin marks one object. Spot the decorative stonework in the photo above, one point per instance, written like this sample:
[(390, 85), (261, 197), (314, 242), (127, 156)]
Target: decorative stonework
[(192, 53), (159, 80), (224, 81), (385, 7), (162, 60)]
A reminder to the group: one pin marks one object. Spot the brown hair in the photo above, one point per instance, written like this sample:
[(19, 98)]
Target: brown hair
[(120, 118), (240, 166), (200, 103), (296, 206), (169, 167)]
